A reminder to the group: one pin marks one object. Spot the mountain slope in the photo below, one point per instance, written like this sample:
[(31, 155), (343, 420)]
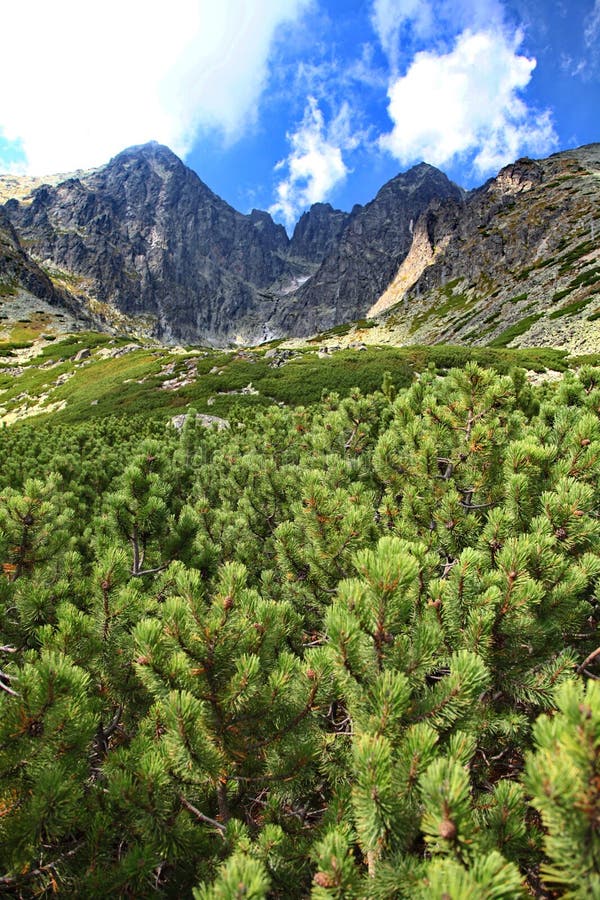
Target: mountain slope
[(516, 260), (145, 235), (26, 290)]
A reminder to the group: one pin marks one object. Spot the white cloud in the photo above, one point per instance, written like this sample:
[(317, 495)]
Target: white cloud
[(389, 17), (315, 164), (586, 65), (573, 67), (87, 79), (592, 26), (403, 24), (466, 103)]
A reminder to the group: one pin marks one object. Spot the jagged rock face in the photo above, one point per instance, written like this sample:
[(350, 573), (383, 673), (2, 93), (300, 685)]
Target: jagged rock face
[(318, 232), (273, 237), (514, 220), (151, 238), (523, 250), (423, 251), (147, 236), (471, 248), (376, 239), (19, 271)]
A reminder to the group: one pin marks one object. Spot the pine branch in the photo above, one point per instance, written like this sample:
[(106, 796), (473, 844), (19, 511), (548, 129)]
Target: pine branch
[(446, 468), (206, 820), (278, 735), (9, 882), (5, 678), (448, 566), (260, 779), (353, 434), (467, 501), (149, 571)]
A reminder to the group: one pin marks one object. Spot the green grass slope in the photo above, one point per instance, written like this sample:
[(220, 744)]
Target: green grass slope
[(91, 375)]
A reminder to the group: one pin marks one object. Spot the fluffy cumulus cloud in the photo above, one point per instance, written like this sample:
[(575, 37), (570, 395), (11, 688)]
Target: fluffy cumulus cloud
[(84, 80), (315, 164), (466, 103)]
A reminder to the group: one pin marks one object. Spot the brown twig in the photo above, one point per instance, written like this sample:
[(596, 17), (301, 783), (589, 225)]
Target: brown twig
[(8, 882), (206, 820), (595, 653), (4, 686)]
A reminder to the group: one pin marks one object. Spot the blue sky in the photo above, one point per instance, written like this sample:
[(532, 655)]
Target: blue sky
[(281, 103)]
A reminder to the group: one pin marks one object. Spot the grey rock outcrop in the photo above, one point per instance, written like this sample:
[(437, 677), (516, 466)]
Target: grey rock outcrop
[(476, 245), (317, 232), (145, 235), (517, 261), (150, 237), (375, 240), (508, 229), (22, 277), (18, 270)]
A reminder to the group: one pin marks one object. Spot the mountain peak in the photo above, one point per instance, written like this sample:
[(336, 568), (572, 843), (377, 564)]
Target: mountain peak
[(317, 232), (150, 148), (151, 151), (423, 179)]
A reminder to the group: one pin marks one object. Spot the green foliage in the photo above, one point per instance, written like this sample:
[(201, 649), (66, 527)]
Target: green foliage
[(7, 348), (587, 278), (571, 309), (515, 331), (346, 649), (563, 775), (450, 303), (156, 382), (240, 878), (571, 256)]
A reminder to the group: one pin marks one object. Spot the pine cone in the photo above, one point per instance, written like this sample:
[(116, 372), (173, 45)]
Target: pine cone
[(447, 829), (322, 879)]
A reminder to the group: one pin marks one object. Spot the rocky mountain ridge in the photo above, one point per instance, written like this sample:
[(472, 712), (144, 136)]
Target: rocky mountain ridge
[(145, 236), (143, 243), (23, 282), (374, 242)]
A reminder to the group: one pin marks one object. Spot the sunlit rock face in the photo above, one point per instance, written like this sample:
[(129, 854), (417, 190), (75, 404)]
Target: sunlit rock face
[(520, 252)]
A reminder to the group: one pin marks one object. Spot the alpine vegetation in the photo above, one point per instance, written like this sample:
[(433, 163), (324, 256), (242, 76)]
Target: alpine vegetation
[(341, 650)]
